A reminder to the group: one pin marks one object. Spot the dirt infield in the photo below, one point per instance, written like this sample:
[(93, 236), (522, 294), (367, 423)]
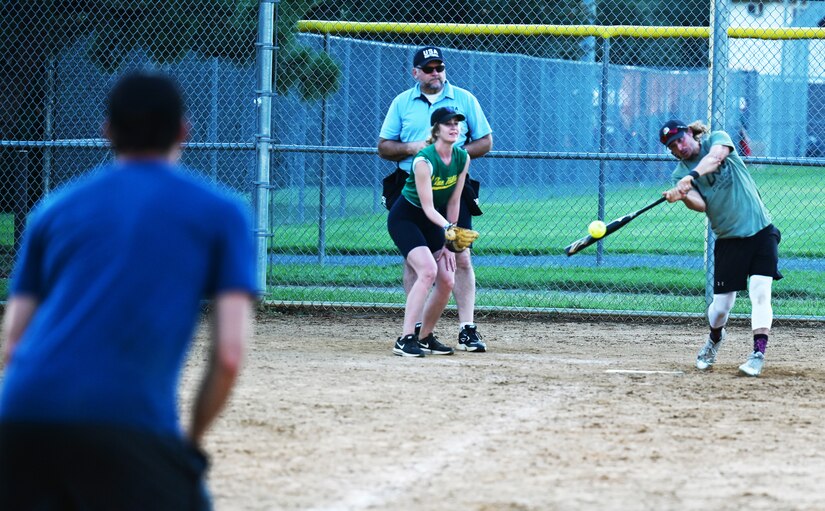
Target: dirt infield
[(326, 418)]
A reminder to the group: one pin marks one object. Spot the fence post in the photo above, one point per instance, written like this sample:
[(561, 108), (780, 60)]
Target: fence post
[(213, 118), (717, 93), (604, 90), (20, 207), (322, 177), (48, 133), (263, 100)]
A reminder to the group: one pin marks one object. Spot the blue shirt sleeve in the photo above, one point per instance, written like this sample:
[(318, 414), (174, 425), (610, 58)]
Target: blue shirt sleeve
[(391, 129), (236, 262), (27, 278)]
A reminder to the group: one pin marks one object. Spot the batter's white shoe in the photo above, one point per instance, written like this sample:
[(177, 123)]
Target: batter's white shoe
[(707, 355), (753, 365)]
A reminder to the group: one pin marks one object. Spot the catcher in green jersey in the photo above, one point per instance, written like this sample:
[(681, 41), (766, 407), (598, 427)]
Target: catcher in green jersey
[(427, 239)]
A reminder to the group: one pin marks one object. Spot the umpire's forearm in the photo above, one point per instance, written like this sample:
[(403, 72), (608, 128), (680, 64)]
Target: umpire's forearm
[(394, 150), (479, 147)]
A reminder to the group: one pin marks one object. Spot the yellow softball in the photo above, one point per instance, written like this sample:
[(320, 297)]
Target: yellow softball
[(596, 229)]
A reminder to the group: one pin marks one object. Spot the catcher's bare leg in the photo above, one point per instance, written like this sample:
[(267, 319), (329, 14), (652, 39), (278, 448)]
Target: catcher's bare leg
[(409, 277), (425, 268), (465, 276), (439, 297), (465, 287)]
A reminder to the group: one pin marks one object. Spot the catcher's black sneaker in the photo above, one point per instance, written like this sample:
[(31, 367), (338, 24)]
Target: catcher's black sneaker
[(432, 346), (407, 346), (469, 340), (418, 328)]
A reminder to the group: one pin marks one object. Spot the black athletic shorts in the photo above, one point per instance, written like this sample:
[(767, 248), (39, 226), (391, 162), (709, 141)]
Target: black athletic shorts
[(55, 467), (736, 259), (409, 228)]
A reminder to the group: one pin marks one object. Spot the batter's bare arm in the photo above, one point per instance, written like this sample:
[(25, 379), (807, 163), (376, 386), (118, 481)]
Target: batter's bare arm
[(684, 191), (707, 165), (479, 147), (393, 150), (692, 199)]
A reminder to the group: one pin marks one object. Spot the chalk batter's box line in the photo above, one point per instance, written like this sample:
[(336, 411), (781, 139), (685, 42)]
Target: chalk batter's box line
[(640, 371)]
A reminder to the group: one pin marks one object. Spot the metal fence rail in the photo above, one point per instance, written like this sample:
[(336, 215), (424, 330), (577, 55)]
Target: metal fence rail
[(287, 113)]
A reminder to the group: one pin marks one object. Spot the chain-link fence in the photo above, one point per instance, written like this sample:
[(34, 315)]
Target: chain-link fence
[(575, 92), (58, 61)]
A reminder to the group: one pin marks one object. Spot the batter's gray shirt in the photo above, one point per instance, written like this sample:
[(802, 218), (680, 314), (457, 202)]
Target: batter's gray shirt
[(734, 206)]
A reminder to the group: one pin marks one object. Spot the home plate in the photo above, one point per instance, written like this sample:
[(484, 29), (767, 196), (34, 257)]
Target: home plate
[(640, 371)]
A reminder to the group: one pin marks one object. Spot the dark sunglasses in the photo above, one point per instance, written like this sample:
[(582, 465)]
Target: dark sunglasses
[(430, 69)]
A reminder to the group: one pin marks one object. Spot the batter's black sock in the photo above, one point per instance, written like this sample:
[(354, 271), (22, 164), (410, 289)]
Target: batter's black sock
[(716, 334), (760, 343)]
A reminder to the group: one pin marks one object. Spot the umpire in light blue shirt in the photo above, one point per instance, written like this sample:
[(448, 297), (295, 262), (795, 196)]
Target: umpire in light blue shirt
[(403, 135)]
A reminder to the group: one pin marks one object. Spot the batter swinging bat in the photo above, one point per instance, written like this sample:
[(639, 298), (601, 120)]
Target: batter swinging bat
[(615, 225)]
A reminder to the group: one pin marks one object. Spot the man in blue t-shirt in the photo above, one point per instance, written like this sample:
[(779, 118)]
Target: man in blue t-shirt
[(404, 133), (103, 304)]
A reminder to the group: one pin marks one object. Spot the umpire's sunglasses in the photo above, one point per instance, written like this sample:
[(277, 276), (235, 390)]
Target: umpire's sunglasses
[(430, 69)]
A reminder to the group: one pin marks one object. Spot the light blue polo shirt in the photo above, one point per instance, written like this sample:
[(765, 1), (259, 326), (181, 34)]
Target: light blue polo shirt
[(408, 118)]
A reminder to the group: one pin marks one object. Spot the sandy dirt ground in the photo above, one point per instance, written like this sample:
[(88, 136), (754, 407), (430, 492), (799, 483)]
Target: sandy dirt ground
[(326, 418)]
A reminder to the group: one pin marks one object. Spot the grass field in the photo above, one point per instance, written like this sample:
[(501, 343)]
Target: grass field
[(545, 226), (541, 227)]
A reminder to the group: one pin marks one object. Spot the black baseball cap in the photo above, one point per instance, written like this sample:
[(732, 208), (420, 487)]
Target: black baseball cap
[(672, 130), (444, 114), (427, 54)]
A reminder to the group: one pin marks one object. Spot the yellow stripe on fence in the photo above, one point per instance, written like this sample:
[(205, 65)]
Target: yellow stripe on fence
[(354, 27)]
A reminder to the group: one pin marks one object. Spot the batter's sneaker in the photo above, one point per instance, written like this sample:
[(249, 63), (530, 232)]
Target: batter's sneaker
[(707, 355), (432, 346), (407, 346), (469, 340), (753, 365)]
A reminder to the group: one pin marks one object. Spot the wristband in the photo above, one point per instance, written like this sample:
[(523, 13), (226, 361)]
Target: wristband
[(694, 174), (448, 226)]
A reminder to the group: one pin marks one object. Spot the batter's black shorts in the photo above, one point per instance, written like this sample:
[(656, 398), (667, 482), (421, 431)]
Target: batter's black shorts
[(409, 228), (736, 259), (55, 467)]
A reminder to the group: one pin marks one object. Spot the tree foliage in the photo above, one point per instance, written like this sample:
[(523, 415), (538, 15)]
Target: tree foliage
[(33, 32), (36, 30)]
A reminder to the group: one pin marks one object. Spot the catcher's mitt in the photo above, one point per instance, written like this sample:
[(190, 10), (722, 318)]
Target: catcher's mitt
[(457, 239)]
